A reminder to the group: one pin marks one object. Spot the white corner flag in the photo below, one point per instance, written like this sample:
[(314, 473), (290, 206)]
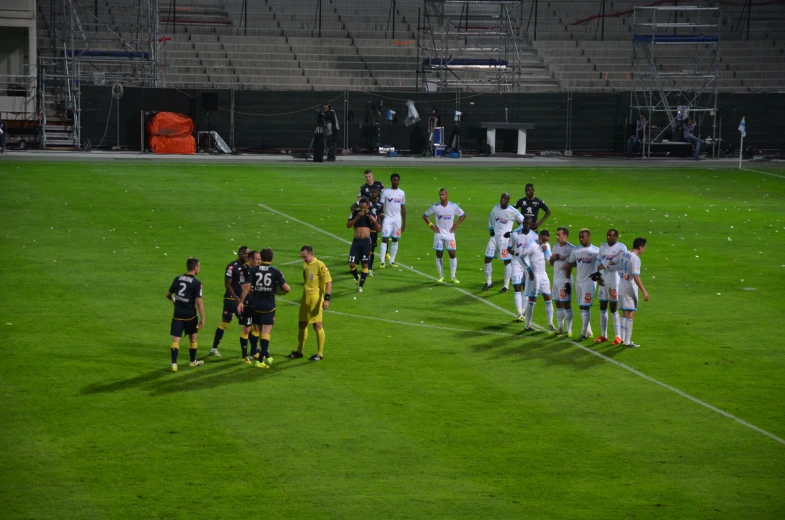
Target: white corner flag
[(743, 132)]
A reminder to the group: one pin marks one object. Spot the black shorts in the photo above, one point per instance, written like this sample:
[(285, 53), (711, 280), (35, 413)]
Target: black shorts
[(230, 309), (360, 251), (246, 318), (182, 328), (264, 318), (374, 240)]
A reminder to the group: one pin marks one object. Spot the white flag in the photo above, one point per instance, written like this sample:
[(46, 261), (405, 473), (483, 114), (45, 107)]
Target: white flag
[(743, 127)]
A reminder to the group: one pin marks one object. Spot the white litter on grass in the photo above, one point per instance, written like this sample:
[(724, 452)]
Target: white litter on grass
[(9, 323), (729, 239), (719, 294)]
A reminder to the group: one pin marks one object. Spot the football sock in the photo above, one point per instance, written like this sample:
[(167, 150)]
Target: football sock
[(302, 335), (219, 334), (507, 275), (440, 267), (488, 273), (568, 321), (370, 261), (604, 323), (585, 321), (320, 340), (264, 345), (624, 330), (363, 276), (549, 311), (353, 270), (254, 340), (560, 319), (244, 344), (529, 312), (175, 350), (393, 251), (453, 266), (383, 251), (629, 332), (192, 351), (616, 325), (519, 302)]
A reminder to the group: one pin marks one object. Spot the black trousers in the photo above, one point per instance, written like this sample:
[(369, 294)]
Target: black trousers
[(330, 143)]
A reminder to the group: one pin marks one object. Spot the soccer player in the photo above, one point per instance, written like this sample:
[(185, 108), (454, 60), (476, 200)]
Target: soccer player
[(519, 240), (365, 189), (316, 296), (360, 251), (535, 256), (186, 294), (245, 312), (609, 262), (448, 217), (562, 284), (393, 220), (585, 259), (233, 281), (500, 224), (530, 206), (628, 288), (266, 280), (375, 210)]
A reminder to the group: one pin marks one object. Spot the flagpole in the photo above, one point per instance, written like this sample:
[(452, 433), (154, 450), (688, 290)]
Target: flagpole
[(743, 132), (741, 149)]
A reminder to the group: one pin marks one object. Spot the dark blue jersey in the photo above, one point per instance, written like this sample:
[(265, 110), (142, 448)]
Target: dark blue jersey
[(363, 221), (234, 272), (265, 280), (365, 189), (530, 208), (186, 289)]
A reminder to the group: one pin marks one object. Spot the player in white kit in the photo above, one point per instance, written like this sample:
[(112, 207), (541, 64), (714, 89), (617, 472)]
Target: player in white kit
[(448, 217), (394, 219), (519, 240), (535, 256), (562, 283), (585, 259), (608, 265), (630, 274), (500, 223)]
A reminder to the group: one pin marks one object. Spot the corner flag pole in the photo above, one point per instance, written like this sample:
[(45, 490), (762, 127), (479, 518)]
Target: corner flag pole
[(743, 132)]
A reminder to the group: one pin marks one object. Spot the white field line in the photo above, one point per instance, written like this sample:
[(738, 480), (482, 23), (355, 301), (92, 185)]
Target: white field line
[(585, 349), (764, 173)]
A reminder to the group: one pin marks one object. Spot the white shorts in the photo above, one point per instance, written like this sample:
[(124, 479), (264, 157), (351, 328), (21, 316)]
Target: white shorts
[(561, 294), (610, 291), (442, 241), (628, 297), (497, 248), (519, 274), (391, 227), (540, 285), (584, 293)]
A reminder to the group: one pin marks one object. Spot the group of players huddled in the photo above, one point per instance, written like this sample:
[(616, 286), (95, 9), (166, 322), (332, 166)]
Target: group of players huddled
[(251, 281), (526, 252)]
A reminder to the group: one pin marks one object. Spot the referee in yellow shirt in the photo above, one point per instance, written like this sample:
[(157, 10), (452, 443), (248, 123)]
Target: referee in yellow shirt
[(316, 296)]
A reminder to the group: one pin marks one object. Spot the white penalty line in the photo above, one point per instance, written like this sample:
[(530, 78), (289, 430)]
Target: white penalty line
[(764, 173), (502, 309)]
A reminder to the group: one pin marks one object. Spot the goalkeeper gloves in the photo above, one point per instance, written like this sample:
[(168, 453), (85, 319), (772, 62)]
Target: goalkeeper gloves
[(507, 235), (596, 277)]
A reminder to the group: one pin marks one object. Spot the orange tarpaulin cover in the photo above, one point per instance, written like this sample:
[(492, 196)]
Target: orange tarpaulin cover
[(171, 133)]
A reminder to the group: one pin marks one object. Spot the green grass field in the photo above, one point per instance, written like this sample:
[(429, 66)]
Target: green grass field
[(430, 402)]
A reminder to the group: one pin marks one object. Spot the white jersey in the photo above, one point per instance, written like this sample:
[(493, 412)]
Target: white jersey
[(610, 256), (564, 252), (630, 266), (392, 200), (502, 219), (445, 216), (535, 257), (519, 240), (586, 258)]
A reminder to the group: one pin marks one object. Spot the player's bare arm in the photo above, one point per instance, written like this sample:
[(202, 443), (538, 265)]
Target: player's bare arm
[(375, 223), (328, 289), (403, 218), (200, 308), (352, 221), (457, 223), (228, 286), (639, 283), (430, 224), (246, 290), (543, 219)]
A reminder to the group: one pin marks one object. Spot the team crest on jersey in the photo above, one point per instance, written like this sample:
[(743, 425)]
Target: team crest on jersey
[(452, 244), (563, 294), (398, 232), (505, 254), (587, 297), (613, 294)]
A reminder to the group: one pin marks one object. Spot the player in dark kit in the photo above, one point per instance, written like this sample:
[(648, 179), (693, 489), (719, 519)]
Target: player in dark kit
[(375, 210), (186, 293), (265, 280), (245, 318), (233, 281), (530, 206), (365, 189), (363, 223)]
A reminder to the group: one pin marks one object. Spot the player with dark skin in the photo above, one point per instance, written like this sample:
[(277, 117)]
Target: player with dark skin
[(612, 237), (504, 201), (231, 296), (444, 198), (362, 222), (529, 200)]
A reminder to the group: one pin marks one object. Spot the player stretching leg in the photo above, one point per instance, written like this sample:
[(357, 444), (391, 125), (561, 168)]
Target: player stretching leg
[(444, 231)]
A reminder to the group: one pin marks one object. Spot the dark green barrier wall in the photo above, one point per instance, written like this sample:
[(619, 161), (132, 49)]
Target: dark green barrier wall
[(285, 120)]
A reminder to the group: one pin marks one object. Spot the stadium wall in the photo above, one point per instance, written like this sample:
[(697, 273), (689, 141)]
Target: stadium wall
[(270, 120)]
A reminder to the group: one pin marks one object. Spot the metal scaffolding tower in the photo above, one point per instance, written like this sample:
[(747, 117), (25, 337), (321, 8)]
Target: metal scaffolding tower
[(675, 69), (470, 45)]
